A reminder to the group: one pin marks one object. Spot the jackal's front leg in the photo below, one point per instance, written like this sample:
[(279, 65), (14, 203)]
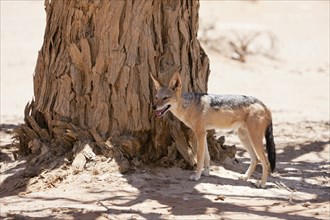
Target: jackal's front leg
[(201, 143), (206, 171)]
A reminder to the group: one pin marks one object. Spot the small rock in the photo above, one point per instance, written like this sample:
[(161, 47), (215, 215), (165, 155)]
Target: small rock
[(306, 204), (220, 197)]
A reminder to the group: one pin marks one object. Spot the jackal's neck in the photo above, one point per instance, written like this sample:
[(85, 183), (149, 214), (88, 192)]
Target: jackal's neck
[(180, 109)]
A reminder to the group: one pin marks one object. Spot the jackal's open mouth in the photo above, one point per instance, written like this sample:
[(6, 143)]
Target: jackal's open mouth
[(160, 113)]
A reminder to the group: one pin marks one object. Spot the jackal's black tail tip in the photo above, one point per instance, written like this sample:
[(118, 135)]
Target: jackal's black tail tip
[(270, 146)]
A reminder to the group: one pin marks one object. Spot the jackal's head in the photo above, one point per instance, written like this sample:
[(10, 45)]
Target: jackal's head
[(167, 97)]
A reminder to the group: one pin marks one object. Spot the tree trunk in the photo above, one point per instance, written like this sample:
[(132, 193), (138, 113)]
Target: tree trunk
[(92, 85)]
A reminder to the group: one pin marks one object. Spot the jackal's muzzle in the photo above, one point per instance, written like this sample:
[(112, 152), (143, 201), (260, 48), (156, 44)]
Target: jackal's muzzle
[(161, 111)]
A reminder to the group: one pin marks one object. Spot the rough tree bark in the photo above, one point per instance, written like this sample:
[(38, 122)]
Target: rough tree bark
[(92, 85)]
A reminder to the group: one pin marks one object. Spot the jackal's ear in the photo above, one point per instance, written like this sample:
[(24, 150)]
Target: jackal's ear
[(157, 84), (175, 82)]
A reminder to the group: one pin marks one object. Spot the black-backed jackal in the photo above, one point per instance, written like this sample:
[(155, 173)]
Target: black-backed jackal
[(202, 112)]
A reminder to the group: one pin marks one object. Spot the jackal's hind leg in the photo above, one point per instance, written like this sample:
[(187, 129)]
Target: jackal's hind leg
[(244, 138), (256, 137)]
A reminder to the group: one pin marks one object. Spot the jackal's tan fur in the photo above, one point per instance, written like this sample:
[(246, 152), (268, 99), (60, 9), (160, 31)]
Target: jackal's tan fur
[(202, 112)]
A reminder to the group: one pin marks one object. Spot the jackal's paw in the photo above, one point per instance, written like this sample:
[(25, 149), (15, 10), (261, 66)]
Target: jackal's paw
[(206, 172), (260, 185), (243, 177), (195, 177)]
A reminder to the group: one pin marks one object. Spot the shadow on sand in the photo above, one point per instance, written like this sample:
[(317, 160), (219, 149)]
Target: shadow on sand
[(190, 201)]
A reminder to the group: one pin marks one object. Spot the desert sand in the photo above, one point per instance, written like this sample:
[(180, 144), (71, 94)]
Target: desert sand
[(293, 82)]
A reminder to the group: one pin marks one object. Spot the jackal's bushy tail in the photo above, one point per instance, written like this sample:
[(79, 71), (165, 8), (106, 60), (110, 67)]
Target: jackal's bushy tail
[(270, 146)]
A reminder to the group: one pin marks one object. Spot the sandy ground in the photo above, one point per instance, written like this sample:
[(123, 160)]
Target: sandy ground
[(295, 86)]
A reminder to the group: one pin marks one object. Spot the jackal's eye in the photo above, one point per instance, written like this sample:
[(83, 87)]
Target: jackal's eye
[(166, 97)]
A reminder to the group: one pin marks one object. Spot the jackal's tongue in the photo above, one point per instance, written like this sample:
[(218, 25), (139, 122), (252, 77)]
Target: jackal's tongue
[(159, 113)]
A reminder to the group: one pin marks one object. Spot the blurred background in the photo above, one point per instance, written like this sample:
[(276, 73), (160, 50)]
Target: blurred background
[(275, 50), (22, 29)]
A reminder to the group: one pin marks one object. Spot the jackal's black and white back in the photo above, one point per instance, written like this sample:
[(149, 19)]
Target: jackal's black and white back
[(220, 101)]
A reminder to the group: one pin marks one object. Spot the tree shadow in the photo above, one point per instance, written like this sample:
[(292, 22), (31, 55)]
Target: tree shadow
[(183, 205), (290, 163), (190, 200), (7, 128)]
